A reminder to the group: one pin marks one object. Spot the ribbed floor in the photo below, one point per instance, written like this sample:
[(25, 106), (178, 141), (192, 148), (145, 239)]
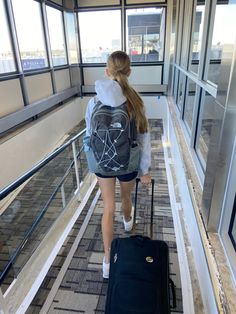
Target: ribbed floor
[(83, 290)]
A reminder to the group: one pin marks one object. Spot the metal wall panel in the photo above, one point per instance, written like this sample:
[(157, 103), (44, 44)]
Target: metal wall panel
[(75, 76), (11, 97), (34, 109), (143, 1), (57, 2), (62, 79), (69, 4), (91, 74), (140, 75), (32, 85), (146, 75), (96, 3)]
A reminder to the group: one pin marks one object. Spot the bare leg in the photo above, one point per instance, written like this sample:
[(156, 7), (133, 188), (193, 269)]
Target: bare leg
[(126, 188), (107, 186)]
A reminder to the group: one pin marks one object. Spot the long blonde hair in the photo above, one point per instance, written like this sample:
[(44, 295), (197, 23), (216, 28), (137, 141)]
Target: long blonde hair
[(118, 64)]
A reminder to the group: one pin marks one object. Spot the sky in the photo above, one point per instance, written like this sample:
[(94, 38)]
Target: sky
[(93, 25)]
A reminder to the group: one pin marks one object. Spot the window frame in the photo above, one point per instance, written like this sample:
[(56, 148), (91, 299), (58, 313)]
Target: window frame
[(164, 37)]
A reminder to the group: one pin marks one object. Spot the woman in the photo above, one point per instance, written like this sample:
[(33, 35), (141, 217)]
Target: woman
[(114, 92)]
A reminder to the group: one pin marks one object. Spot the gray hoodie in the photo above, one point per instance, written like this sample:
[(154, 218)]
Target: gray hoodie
[(110, 93)]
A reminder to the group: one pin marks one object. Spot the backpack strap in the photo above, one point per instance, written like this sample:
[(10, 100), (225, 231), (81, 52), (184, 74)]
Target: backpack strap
[(133, 130), (97, 103)]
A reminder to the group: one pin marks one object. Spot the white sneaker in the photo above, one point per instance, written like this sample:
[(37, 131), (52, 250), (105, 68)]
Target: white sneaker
[(105, 269), (128, 225)]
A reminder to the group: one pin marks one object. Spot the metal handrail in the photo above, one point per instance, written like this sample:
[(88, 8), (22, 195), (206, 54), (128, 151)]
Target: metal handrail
[(23, 178), (12, 186)]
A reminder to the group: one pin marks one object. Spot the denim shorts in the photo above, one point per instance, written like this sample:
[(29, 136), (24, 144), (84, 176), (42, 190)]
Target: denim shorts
[(123, 177)]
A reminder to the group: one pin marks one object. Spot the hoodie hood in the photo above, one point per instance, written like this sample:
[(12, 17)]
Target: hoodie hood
[(109, 92)]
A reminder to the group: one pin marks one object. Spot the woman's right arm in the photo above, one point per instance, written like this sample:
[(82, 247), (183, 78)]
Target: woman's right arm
[(144, 142), (88, 114)]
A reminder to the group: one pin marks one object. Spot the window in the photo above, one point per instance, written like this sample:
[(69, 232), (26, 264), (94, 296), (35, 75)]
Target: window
[(173, 29), (71, 37), (180, 91), (145, 34), (176, 73), (7, 63), (56, 34), (172, 46), (197, 35), (189, 104), (30, 34), (222, 39), (205, 126), (100, 34)]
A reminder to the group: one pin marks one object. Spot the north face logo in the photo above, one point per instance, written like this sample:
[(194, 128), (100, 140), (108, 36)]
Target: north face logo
[(116, 125)]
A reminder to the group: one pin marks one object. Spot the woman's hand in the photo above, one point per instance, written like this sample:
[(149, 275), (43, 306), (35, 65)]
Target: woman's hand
[(146, 179)]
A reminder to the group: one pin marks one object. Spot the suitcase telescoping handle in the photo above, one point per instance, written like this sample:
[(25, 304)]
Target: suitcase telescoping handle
[(152, 201), (172, 287)]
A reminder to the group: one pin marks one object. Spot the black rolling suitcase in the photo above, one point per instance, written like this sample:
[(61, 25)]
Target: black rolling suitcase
[(139, 275)]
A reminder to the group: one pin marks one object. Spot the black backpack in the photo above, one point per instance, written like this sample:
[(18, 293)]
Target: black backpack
[(113, 140)]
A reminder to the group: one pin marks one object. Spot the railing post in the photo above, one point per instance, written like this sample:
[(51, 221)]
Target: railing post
[(76, 167), (63, 197), (3, 307)]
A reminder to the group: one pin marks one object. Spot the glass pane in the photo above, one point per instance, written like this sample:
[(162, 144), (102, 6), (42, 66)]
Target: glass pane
[(29, 217), (173, 29), (172, 47), (222, 39), (180, 92), (7, 63), (71, 32), (205, 127), (98, 40), (56, 34), (176, 78), (189, 104), (232, 227), (81, 159), (30, 34), (145, 34), (197, 35)]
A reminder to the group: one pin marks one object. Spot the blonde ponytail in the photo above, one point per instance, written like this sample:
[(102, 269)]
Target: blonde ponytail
[(119, 68)]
